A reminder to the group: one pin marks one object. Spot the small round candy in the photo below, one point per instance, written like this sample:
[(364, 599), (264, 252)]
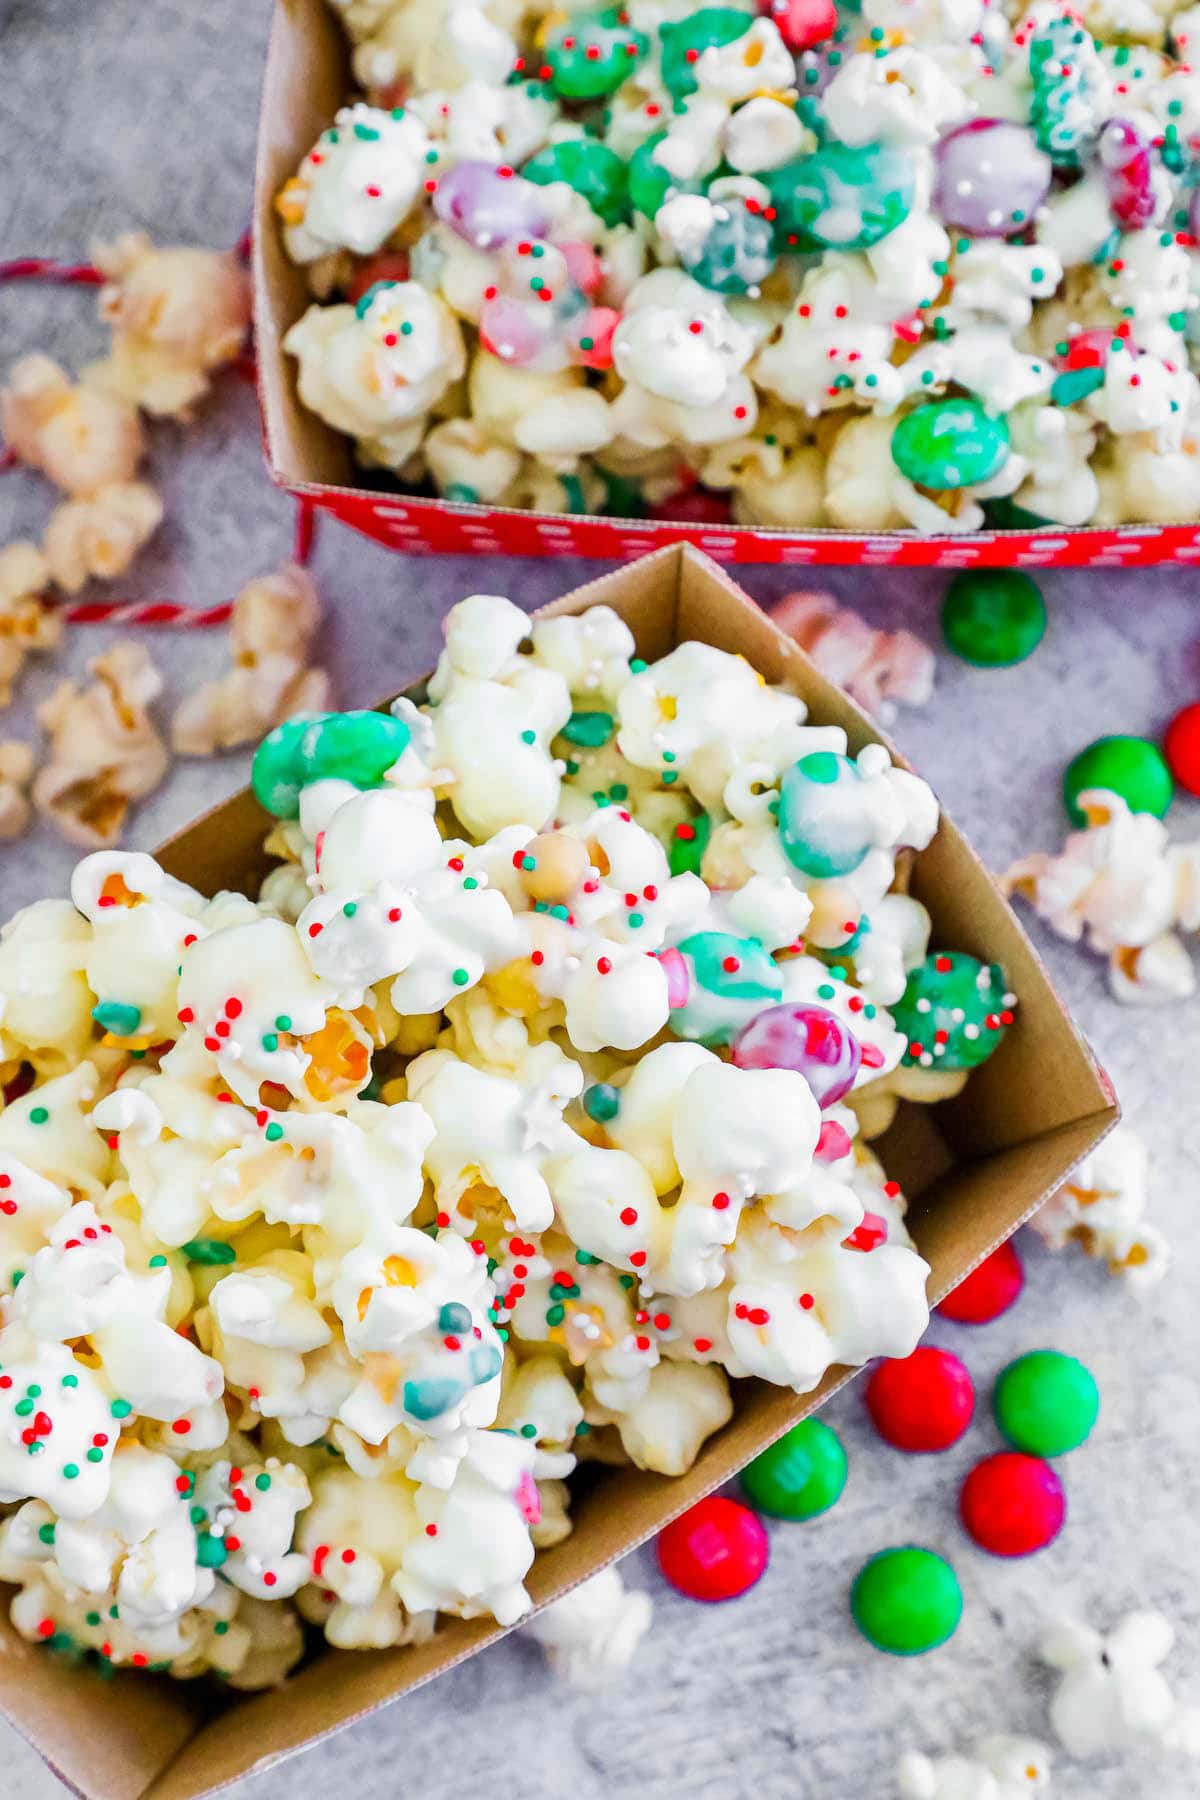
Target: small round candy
[(906, 1601), (991, 177), (803, 23), (1181, 746), (921, 1402), (684, 43), (800, 1476), (738, 253), (590, 54), (993, 617), (811, 1040), (950, 444), (954, 1011), (1131, 767), (1012, 1505), (489, 208), (595, 172), (843, 196), (358, 747), (988, 1290), (824, 815), (714, 1551), (1046, 1403), (649, 181)]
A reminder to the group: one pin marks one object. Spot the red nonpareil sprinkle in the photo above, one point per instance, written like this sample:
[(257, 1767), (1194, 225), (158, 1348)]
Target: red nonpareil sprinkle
[(696, 327), (189, 940), (183, 1484), (5, 1381), (100, 1438), (185, 1015), (805, 311), (181, 1427), (455, 863), (662, 1321), (891, 1189), (628, 1215), (9, 1207), (106, 1649), (758, 1315), (720, 1201), (638, 1259), (739, 412), (650, 893), (72, 1244), (603, 966), (692, 56), (373, 191), (730, 964), (235, 1475), (685, 833), (5, 1181), (452, 1343), (391, 339), (233, 1008), (643, 1343), (703, 1345), (139, 1659), (222, 1028), (442, 1220), (537, 958), (520, 1270), (270, 1578), (855, 1003), (46, 1628), (233, 1543), (212, 1043), (943, 965), (260, 1118), (315, 930), (504, 172), (431, 1531), (479, 1247), (349, 1556), (318, 1559), (807, 1302), (254, 1393)]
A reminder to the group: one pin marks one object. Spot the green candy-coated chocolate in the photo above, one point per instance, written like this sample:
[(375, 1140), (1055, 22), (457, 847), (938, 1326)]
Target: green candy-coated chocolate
[(824, 817), (1003, 514), (590, 729), (1066, 73), (117, 1016), (592, 170), (949, 444), (1045, 1403), (738, 253), (359, 747), (993, 617), (589, 55), (683, 44), (687, 851), (800, 1476), (906, 1601), (954, 1011), (845, 197), (734, 968), (1130, 767), (649, 182)]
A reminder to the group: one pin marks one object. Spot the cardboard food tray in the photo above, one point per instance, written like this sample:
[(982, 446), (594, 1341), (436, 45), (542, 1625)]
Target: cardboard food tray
[(973, 1168), (308, 77)]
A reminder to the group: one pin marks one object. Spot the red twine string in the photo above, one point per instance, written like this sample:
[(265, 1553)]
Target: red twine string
[(48, 268)]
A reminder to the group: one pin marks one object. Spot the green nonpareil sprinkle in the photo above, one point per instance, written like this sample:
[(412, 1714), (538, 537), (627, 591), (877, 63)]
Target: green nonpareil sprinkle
[(582, 1429), (209, 1250), (70, 1471), (283, 1022), (270, 1041), (70, 1381), (273, 1133), (350, 908), (120, 1409), (38, 1115), (470, 883), (529, 1431), (197, 1515), (94, 1455), (158, 1262), (46, 1534), (262, 1483), (637, 666), (584, 1258), (221, 1627), (626, 1281), (460, 978), (23, 1408), (529, 737), (555, 1315), (18, 1277)]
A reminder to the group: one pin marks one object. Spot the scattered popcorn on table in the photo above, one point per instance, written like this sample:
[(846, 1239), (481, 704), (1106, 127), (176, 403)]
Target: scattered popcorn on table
[(1112, 1695), (931, 271), (16, 772), (500, 1132), (879, 669), (27, 622), (1001, 1768), (1102, 1210)]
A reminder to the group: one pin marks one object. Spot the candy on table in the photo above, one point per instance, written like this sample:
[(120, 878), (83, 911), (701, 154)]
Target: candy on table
[(716, 1550), (921, 1402), (1012, 1505), (591, 1635), (522, 1236), (906, 1601), (28, 623), (274, 621), (1102, 1207), (990, 1289), (1045, 1403), (1125, 889), (1131, 767), (800, 1476), (1112, 1695), (879, 669), (1181, 748), (993, 617), (105, 750), (999, 1768)]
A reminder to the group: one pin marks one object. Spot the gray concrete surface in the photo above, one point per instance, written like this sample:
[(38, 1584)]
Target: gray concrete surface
[(118, 113)]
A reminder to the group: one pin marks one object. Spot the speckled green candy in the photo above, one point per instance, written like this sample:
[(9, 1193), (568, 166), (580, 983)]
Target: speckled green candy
[(359, 747), (954, 1010), (1046, 1403), (949, 444), (842, 196), (1131, 767), (649, 181), (684, 44), (738, 253), (595, 172), (993, 618), (589, 55), (906, 1601), (800, 1476)]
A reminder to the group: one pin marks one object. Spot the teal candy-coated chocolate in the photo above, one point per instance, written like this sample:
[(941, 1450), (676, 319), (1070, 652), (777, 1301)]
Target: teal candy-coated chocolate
[(454, 1316), (845, 197), (801, 1475), (649, 182), (954, 1011), (1046, 1403), (731, 978), (949, 444), (430, 1398), (596, 173), (823, 816), (993, 617), (683, 44), (737, 255), (601, 1102), (589, 729), (1077, 384), (1066, 73), (359, 747), (906, 1601), (117, 1016), (590, 54), (689, 841), (1131, 767)]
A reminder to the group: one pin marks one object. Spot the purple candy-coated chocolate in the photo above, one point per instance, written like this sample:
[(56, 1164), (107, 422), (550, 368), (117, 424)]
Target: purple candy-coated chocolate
[(489, 208), (991, 178), (1194, 213), (809, 1039), (513, 331)]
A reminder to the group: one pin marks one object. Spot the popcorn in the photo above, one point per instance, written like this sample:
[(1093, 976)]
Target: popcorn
[(100, 535), (83, 437), (1102, 1209), (105, 750), (1002, 1768), (177, 314), (876, 668), (591, 1635), (337, 1226), (356, 184), (16, 772), (1112, 1695), (26, 622)]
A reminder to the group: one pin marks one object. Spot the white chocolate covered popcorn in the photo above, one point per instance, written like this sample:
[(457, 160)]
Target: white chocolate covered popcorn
[(591, 1635), (1112, 1694)]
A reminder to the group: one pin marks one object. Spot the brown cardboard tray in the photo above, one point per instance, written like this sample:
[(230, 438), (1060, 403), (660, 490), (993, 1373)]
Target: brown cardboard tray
[(974, 1168)]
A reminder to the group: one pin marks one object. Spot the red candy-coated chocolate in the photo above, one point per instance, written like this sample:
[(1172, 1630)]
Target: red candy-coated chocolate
[(988, 1291), (921, 1402), (1181, 747), (385, 265), (714, 1551), (1012, 1504), (802, 23)]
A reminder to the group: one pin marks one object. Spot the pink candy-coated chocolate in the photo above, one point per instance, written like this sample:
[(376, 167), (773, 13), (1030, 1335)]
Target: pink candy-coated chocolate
[(599, 323), (1127, 168), (991, 177), (514, 332), (697, 507), (679, 982), (802, 23), (809, 1039)]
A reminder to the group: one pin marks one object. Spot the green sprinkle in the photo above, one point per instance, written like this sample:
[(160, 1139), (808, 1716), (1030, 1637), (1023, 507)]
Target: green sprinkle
[(927, 377), (197, 1515), (626, 1280), (70, 1471), (38, 1115), (529, 737), (460, 978), (582, 1429), (670, 777), (46, 1534), (94, 1455), (529, 1431), (431, 156), (93, 1618), (619, 791), (637, 666), (209, 1250), (158, 1262), (18, 1278), (23, 1408), (273, 1133), (587, 343), (34, 1391), (559, 912), (262, 1483), (120, 1409), (221, 1627), (210, 1551), (1037, 274), (283, 1022), (669, 756), (826, 992), (585, 1257), (555, 1315), (869, 1011), (572, 767), (113, 1613), (117, 1017), (871, 381), (350, 908), (270, 1041), (70, 1381), (635, 921)]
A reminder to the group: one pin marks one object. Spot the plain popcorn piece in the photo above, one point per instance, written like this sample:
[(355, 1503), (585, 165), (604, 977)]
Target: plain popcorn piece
[(1112, 1695), (105, 750), (591, 1635)]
